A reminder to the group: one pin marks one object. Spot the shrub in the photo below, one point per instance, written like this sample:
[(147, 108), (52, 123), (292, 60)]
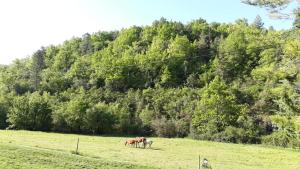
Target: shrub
[(286, 134), (164, 127), (99, 119), (235, 135), (4, 106), (31, 112), (281, 138), (182, 128)]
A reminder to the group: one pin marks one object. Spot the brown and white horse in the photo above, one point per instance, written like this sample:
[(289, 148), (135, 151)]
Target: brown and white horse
[(131, 142), (136, 141), (140, 140)]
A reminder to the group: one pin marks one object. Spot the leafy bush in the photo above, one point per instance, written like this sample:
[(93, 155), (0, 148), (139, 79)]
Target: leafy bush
[(164, 127), (235, 135), (4, 108), (286, 134), (280, 138), (31, 112), (99, 119)]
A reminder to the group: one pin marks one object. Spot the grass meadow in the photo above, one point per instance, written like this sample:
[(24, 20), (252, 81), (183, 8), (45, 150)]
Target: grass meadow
[(35, 150)]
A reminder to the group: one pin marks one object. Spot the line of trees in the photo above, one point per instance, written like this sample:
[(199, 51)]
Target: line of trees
[(225, 82)]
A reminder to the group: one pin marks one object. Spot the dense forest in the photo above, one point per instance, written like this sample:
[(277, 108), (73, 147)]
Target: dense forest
[(235, 82)]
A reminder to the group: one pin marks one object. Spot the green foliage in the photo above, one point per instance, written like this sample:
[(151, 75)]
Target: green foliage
[(164, 127), (276, 8), (258, 22), (277, 139), (206, 80), (217, 109), (31, 112), (286, 134), (100, 119), (4, 108), (37, 65)]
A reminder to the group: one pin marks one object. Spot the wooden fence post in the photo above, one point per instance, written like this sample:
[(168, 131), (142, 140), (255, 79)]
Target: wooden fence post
[(199, 162), (77, 146)]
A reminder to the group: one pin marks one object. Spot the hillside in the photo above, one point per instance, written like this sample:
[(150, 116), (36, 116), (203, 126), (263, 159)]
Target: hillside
[(24, 149), (236, 82), (23, 157)]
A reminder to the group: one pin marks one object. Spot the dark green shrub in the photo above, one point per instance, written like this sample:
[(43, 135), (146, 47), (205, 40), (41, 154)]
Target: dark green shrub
[(281, 138), (164, 127), (31, 112), (235, 135), (3, 113), (99, 119)]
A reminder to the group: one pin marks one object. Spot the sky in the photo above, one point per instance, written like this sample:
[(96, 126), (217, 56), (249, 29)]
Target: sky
[(25, 26)]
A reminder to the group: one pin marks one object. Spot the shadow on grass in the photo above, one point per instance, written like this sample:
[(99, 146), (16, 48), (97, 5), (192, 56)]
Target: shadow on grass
[(156, 149), (140, 148), (76, 153)]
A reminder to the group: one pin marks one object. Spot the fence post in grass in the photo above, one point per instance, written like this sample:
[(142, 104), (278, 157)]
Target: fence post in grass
[(199, 162), (77, 146)]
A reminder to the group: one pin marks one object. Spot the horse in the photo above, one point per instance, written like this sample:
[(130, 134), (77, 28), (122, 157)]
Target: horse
[(148, 142), (140, 140), (130, 142)]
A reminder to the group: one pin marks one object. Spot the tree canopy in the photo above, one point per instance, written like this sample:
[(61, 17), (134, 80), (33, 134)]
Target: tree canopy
[(222, 82)]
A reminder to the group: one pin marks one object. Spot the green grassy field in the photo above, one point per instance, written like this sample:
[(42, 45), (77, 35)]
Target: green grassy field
[(24, 149)]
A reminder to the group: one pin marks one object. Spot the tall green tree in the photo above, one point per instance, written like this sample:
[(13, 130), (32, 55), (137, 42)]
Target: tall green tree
[(258, 22), (37, 65), (217, 109), (31, 112), (86, 46)]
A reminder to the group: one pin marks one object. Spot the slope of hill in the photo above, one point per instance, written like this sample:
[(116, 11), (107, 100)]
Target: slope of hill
[(25, 157), (222, 82), (25, 149)]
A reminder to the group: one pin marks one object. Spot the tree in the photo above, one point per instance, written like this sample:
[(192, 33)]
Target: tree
[(86, 46), (67, 55), (4, 108), (275, 7), (212, 81), (31, 112), (258, 22), (176, 71), (75, 111), (17, 77), (217, 109), (37, 65), (296, 23), (100, 119), (80, 72)]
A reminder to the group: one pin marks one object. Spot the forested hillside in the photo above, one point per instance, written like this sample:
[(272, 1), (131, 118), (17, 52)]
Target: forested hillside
[(235, 82)]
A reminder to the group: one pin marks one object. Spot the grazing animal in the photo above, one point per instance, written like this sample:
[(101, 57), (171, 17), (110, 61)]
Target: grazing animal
[(131, 142), (140, 140), (148, 142)]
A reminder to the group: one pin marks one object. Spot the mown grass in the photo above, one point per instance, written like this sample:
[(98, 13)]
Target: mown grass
[(20, 157), (25, 149)]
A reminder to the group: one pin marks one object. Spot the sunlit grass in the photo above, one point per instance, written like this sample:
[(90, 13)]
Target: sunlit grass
[(166, 153)]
